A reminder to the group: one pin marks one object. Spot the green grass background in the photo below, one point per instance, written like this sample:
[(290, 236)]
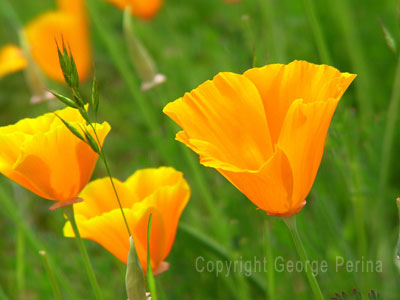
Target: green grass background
[(351, 209)]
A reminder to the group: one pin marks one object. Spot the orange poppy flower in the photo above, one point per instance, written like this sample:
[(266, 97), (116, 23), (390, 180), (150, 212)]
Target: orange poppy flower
[(68, 24), (43, 156), (264, 130), (162, 192), (11, 60), (141, 8)]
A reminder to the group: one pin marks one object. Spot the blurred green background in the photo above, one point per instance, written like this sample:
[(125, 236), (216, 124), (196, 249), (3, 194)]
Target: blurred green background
[(351, 210)]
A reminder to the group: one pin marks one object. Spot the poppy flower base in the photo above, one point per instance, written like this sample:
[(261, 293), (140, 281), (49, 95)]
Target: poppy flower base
[(65, 203)]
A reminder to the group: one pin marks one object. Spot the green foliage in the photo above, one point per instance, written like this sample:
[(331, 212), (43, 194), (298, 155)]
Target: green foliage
[(191, 41)]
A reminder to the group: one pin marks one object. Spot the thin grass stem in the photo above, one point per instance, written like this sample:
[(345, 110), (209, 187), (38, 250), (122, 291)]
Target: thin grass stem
[(103, 157), (50, 274), (343, 15), (69, 212), (275, 40), (20, 265), (317, 32)]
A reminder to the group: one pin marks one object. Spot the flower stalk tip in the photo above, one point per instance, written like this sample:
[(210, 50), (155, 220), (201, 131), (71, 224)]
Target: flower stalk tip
[(140, 57), (134, 279)]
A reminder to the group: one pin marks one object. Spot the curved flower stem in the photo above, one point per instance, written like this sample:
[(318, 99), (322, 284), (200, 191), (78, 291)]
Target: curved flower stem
[(103, 157), (69, 212), (291, 224)]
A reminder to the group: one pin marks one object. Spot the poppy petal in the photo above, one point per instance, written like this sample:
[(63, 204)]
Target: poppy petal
[(170, 201), (270, 188), (11, 60), (107, 229), (280, 85), (221, 115), (306, 126), (59, 178), (42, 34)]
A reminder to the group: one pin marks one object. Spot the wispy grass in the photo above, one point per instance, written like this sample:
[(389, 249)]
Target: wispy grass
[(344, 16)]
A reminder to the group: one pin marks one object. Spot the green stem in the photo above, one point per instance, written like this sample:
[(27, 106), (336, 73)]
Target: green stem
[(52, 277), (69, 212), (115, 190), (20, 261), (317, 32), (103, 157), (389, 135), (150, 277), (359, 202), (291, 224), (270, 266)]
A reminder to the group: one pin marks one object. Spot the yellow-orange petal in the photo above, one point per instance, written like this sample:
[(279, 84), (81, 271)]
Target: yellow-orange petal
[(270, 187), (170, 196), (107, 229), (9, 153), (74, 7), (140, 8), (162, 192), (57, 163), (42, 34), (224, 122), (145, 182), (157, 237), (99, 197), (280, 85), (11, 60), (43, 123), (13, 137), (302, 139)]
